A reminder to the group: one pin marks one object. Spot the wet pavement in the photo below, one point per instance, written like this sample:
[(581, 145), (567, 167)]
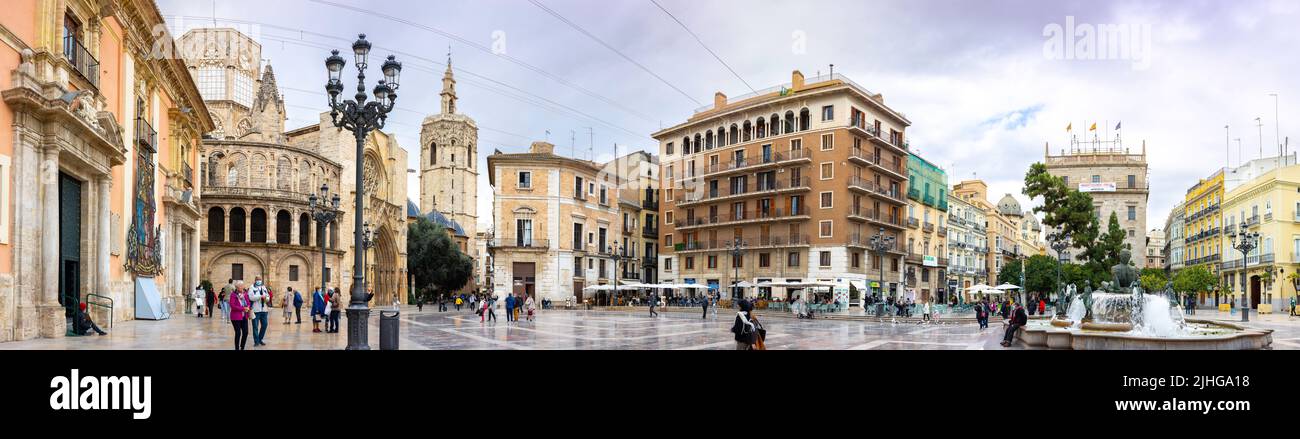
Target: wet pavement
[(582, 330)]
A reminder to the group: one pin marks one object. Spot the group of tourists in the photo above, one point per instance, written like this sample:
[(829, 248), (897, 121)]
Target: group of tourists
[(243, 305)]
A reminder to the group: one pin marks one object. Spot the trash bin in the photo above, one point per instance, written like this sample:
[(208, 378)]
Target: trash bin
[(388, 330)]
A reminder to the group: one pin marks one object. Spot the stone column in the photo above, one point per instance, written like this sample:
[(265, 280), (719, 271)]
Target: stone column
[(273, 226), (293, 227), (105, 183), (52, 323)]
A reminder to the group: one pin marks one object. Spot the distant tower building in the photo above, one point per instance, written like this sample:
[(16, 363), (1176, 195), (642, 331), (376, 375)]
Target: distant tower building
[(1117, 180), (449, 163)]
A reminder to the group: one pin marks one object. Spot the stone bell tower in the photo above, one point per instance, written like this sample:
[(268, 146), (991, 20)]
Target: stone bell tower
[(449, 161)]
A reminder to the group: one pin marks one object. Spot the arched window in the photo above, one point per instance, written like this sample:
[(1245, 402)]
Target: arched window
[(237, 218), (789, 122), (698, 143), (283, 227), (686, 145), (304, 229), (746, 131), (334, 235), (722, 137), (259, 226), (708, 140), (762, 127), (774, 125), (803, 119), (433, 153), (216, 224), (735, 135)]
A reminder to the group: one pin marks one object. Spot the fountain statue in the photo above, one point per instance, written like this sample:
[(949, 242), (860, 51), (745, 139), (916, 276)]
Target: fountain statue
[(1123, 272), (1087, 300)]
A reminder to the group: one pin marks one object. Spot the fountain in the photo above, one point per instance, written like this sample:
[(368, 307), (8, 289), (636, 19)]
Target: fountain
[(1120, 315)]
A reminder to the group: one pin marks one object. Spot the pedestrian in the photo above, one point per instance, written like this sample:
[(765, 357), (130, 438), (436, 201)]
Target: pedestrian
[(224, 303), (749, 332), (209, 299), (982, 313), (487, 312), (1042, 306), (705, 303), (332, 325), (1018, 320), (286, 305), (531, 306), (654, 301), (82, 324), (239, 306), (297, 307), (198, 296), (459, 301), (510, 307), (317, 309), (925, 312), (419, 304), (1293, 310), (261, 301), (519, 306)]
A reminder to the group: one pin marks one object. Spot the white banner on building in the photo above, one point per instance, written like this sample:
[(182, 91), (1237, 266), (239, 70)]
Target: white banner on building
[(1097, 187)]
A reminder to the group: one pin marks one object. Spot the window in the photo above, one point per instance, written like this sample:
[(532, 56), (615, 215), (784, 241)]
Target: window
[(670, 172), (792, 259), (577, 187), (765, 259), (668, 218), (1132, 181), (796, 144), (828, 141), (668, 264), (243, 89), (669, 149), (327, 274), (211, 82), (713, 262), (828, 113), (1130, 233), (1066, 179), (1096, 179), (1132, 213), (525, 180), (690, 262), (523, 232), (857, 260), (824, 228), (825, 260), (826, 200), (237, 271), (738, 262), (828, 170), (293, 273), (603, 199)]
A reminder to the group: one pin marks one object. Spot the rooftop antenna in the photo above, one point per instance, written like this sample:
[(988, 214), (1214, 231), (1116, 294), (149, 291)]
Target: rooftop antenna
[(591, 145), (573, 149), (832, 70), (1240, 157), (1260, 124), (1227, 149)]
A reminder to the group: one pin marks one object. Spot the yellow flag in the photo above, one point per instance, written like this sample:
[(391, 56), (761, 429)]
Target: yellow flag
[(1094, 127), (1070, 126)]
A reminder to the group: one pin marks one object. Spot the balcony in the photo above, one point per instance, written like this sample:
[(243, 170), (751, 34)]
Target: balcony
[(872, 133), (943, 231), (870, 187), (630, 275), (756, 216), (519, 243), (649, 204), (928, 200), (85, 65), (761, 242), (1268, 216), (928, 227), (145, 135), (768, 188), (650, 232), (1253, 221), (755, 162), (187, 173), (913, 223), (857, 155), (1230, 229), (859, 213), (914, 257)]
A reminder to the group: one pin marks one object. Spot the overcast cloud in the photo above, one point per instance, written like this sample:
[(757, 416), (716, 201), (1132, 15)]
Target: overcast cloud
[(971, 75)]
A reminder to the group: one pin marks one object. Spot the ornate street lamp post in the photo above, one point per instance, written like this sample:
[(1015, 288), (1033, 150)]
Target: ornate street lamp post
[(619, 259), (1244, 242), (737, 249), (324, 214), (881, 243), (1060, 243), (361, 118)]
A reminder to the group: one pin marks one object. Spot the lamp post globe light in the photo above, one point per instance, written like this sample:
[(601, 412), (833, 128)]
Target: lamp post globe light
[(1244, 242), (324, 214), (881, 243), (1060, 243), (360, 117)]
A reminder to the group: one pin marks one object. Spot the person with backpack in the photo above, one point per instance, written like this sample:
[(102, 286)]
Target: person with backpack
[(297, 307), (261, 301)]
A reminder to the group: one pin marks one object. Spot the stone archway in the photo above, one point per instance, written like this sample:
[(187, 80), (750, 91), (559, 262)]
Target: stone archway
[(382, 269)]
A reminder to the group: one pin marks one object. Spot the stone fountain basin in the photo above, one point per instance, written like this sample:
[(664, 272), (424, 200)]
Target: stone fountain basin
[(1054, 337)]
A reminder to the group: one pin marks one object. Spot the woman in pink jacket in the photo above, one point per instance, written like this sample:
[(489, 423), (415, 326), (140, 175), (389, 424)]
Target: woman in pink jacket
[(240, 308)]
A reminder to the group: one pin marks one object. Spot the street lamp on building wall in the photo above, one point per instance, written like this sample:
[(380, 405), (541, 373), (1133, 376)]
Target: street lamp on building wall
[(324, 214), (361, 118), (881, 243), (1244, 242)]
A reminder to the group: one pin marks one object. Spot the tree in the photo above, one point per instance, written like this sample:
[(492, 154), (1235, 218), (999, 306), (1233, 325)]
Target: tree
[(1065, 209), (1040, 274), (1194, 280), (1152, 279), (434, 260), (1112, 242), (1010, 273)]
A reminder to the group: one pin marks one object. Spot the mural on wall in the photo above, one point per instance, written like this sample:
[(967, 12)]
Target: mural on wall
[(144, 239)]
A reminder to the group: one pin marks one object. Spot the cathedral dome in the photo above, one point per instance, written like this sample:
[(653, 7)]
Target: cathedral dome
[(437, 218), (1009, 206)]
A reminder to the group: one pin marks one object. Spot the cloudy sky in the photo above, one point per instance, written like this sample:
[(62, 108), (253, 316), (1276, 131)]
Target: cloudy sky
[(983, 85)]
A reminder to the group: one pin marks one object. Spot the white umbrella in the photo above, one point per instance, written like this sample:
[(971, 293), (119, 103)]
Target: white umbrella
[(692, 286), (1005, 287)]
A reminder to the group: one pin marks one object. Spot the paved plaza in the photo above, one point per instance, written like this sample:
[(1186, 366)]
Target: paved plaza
[(585, 330)]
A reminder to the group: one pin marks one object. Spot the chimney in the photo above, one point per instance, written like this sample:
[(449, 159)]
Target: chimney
[(542, 148), (719, 100), (796, 81)]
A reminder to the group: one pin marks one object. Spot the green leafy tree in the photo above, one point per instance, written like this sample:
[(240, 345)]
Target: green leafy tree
[(1010, 273), (433, 259), (1040, 274), (1152, 279), (1065, 209), (1194, 280), (1112, 242)]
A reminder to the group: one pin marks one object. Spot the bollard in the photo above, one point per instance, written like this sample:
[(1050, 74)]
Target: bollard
[(388, 330)]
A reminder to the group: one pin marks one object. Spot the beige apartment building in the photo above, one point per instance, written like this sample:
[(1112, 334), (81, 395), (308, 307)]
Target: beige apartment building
[(785, 186), (995, 229), (1115, 177), (557, 222), (638, 201)]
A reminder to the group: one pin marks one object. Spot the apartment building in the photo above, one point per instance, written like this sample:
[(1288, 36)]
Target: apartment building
[(967, 245), (996, 228), (1155, 257), (638, 200), (1269, 205), (1174, 239), (790, 184), (557, 224), (926, 264), (1203, 223)]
